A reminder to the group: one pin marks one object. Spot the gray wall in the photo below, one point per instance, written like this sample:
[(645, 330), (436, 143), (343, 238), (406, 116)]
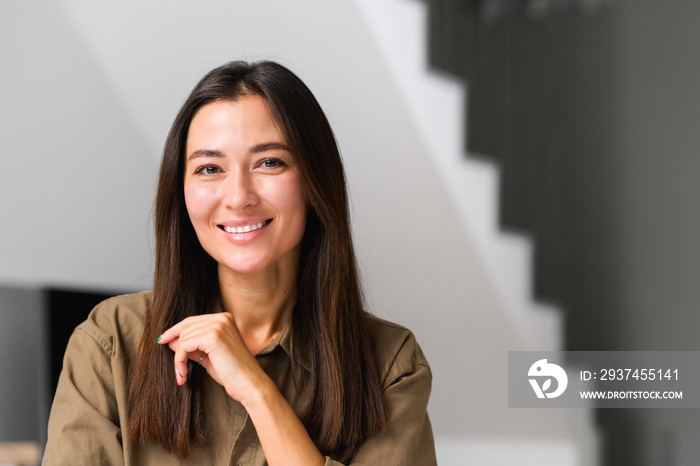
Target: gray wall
[(631, 119), (22, 369)]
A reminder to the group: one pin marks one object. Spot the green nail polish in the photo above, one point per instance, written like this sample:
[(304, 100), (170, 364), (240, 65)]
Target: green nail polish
[(158, 339)]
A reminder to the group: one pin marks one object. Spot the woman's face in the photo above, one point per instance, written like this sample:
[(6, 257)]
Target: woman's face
[(242, 188)]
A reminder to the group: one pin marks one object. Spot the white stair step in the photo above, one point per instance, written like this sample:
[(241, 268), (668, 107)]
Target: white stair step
[(505, 452), (436, 103)]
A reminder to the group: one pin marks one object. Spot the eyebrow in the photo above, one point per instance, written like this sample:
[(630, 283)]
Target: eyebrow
[(268, 146), (205, 153), (256, 149)]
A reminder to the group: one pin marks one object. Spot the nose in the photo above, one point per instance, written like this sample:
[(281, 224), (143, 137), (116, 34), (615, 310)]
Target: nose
[(239, 190)]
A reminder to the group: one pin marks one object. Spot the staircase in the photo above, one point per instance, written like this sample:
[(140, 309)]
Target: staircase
[(436, 104)]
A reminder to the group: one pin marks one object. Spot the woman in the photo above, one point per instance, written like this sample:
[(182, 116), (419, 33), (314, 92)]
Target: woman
[(253, 347)]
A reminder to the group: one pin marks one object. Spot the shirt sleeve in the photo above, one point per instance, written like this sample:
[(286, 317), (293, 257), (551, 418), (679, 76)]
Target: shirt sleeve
[(84, 424), (408, 437)]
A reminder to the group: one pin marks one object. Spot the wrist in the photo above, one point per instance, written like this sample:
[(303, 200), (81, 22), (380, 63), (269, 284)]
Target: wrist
[(260, 393)]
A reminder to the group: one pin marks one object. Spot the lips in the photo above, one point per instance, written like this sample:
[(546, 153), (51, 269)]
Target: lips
[(245, 228)]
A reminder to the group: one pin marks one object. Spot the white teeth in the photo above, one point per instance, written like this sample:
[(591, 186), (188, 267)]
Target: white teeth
[(243, 229)]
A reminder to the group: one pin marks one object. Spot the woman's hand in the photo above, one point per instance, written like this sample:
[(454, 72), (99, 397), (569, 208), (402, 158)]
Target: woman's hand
[(214, 340)]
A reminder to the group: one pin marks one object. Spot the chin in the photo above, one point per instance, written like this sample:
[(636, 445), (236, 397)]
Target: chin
[(244, 268)]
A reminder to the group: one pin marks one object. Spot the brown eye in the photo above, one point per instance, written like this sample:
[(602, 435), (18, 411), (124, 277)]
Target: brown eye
[(207, 170), (272, 163)]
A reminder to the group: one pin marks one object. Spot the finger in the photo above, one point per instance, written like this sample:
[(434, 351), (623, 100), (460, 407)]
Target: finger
[(196, 332), (180, 360), (184, 325), (169, 334), (174, 343), (186, 350), (198, 357)]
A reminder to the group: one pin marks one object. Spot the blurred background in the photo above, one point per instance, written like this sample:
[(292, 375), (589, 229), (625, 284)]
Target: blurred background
[(524, 176)]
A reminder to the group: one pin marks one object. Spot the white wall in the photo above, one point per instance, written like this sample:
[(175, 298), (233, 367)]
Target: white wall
[(89, 91), (77, 177)]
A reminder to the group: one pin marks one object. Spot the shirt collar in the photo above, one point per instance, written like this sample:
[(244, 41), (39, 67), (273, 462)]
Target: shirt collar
[(284, 340)]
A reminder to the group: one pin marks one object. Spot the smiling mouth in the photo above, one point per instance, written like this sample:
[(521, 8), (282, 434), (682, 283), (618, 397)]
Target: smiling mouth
[(245, 228)]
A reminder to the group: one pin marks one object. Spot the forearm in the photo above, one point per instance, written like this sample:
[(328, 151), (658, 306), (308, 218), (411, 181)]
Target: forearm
[(282, 435)]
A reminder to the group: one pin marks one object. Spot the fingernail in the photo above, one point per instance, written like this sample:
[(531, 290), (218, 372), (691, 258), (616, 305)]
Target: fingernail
[(159, 338)]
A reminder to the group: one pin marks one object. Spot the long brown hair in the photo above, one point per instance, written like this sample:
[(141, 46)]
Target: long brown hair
[(328, 322)]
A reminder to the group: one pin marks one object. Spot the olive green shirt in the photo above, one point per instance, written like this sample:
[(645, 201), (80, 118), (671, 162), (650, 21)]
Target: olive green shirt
[(90, 404)]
